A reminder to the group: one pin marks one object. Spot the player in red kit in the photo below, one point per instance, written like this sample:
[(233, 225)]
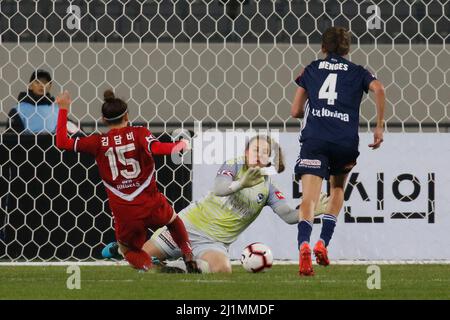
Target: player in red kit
[(124, 157)]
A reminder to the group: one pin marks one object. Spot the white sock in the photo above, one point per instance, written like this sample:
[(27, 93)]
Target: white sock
[(203, 265)]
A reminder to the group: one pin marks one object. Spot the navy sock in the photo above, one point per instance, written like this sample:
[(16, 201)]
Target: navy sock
[(328, 224), (304, 231)]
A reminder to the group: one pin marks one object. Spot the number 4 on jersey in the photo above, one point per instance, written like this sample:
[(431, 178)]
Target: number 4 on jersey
[(328, 89)]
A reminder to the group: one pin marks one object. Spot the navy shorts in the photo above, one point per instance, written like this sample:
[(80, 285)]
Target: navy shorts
[(322, 158)]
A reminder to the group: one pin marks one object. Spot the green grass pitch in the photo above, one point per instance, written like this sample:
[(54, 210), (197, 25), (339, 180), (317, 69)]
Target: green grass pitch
[(281, 282)]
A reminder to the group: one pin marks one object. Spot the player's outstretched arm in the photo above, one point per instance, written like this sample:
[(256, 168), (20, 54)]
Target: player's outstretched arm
[(298, 105), (287, 214), (378, 89), (224, 185), (63, 100), (290, 215), (167, 148)]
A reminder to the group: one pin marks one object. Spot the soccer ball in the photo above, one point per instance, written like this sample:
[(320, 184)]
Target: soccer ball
[(256, 257)]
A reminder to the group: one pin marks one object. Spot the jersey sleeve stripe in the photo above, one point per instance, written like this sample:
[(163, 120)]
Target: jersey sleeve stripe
[(150, 141), (305, 117), (75, 144)]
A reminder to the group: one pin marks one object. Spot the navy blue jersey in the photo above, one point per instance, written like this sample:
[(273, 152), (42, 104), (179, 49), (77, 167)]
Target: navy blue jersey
[(335, 88)]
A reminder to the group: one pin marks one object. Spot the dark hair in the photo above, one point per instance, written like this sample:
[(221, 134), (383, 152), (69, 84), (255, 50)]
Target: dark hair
[(278, 158), (40, 74), (113, 109), (336, 40)]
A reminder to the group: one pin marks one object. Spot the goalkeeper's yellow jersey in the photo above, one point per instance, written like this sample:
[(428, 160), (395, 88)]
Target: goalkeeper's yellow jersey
[(224, 218)]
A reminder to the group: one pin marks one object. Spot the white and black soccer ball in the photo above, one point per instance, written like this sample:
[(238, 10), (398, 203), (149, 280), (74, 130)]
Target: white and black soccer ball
[(256, 257)]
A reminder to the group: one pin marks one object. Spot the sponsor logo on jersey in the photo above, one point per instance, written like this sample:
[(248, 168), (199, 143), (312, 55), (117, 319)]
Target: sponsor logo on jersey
[(310, 163), (225, 173), (259, 197), (324, 112), (279, 195), (128, 184)]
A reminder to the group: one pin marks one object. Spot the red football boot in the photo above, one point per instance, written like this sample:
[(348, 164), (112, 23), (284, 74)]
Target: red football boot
[(305, 263), (321, 253)]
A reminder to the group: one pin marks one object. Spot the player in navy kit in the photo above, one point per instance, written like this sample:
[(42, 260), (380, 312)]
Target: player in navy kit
[(328, 97)]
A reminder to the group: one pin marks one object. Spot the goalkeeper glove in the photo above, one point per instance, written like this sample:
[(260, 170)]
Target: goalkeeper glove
[(321, 206), (251, 178)]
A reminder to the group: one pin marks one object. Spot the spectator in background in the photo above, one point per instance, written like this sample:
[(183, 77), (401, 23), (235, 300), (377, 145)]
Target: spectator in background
[(36, 111)]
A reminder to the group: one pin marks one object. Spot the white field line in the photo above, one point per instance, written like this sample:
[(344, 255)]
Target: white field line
[(256, 280), (233, 262)]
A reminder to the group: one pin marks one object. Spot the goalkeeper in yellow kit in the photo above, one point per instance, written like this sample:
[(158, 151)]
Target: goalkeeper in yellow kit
[(241, 190)]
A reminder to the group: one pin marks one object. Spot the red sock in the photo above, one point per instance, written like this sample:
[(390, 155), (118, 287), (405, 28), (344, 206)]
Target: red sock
[(139, 259), (179, 234)]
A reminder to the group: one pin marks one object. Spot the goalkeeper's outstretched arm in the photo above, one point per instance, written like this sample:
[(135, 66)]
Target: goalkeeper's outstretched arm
[(167, 148), (288, 214), (224, 185)]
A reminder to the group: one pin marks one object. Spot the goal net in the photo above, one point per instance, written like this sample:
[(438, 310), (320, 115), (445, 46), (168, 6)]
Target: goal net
[(223, 64)]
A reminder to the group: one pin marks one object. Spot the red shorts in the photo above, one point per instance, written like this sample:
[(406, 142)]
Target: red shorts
[(131, 223)]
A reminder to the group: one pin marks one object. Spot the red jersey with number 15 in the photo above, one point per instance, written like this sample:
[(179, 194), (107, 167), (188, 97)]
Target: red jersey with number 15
[(125, 163)]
